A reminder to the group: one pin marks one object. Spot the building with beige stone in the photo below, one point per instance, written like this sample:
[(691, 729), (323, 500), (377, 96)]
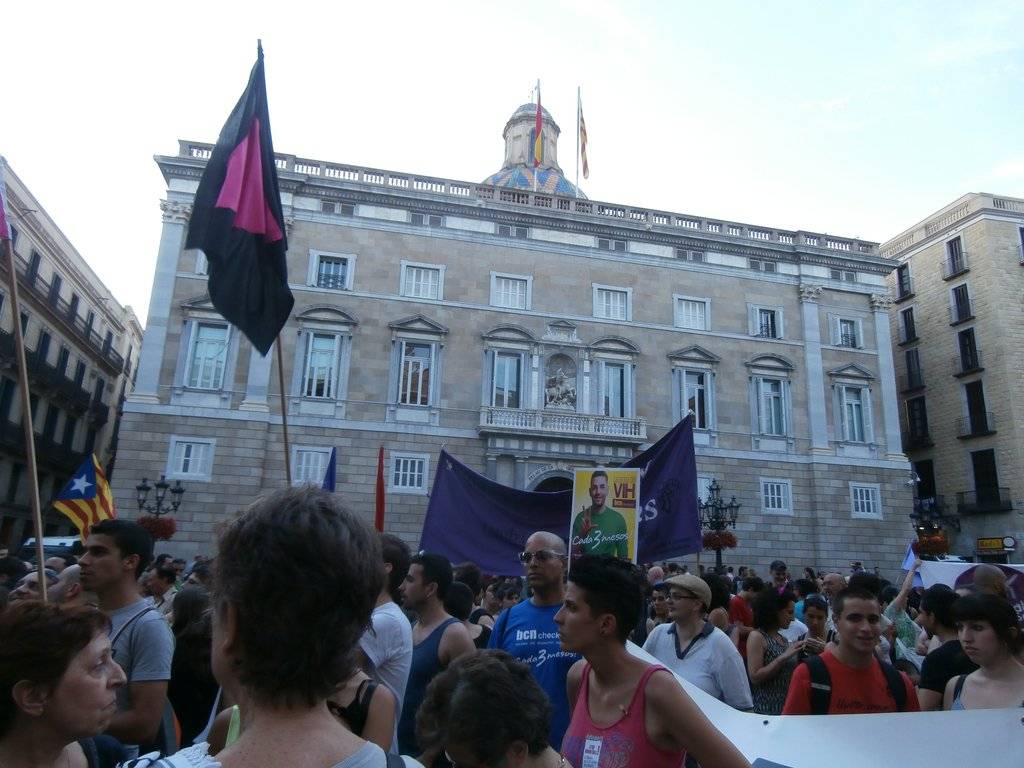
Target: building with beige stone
[(81, 348), (529, 330), (958, 332)]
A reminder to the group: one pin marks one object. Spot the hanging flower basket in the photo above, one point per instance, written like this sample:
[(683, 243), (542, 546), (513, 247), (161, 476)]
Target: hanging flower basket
[(719, 540), (160, 527), (935, 543)]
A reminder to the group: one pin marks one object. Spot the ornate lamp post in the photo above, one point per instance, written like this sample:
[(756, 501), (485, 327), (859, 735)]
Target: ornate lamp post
[(717, 516), (930, 522), (152, 519)]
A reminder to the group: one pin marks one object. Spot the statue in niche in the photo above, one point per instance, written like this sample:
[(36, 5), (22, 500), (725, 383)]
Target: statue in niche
[(560, 383)]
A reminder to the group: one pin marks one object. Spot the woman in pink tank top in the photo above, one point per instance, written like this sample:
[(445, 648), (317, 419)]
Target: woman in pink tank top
[(627, 713)]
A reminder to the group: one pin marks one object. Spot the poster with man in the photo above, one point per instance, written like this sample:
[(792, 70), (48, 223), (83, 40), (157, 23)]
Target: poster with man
[(604, 513)]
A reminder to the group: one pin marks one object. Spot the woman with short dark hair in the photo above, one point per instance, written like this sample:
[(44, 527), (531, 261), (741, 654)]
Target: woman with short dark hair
[(58, 683), (990, 634), (487, 709), (771, 658)]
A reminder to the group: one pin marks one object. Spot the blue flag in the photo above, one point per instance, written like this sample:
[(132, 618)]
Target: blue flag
[(470, 517), (332, 469)]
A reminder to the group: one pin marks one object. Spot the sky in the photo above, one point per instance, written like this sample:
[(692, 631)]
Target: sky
[(857, 119)]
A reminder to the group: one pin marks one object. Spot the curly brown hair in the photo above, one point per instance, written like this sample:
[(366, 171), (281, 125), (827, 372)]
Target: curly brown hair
[(303, 575), (485, 701)]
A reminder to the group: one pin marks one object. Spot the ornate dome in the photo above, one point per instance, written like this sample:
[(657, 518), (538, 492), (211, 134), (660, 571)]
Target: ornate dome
[(550, 180), (518, 172)]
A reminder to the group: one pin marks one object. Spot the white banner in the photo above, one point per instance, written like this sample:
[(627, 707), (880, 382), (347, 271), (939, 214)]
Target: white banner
[(981, 737)]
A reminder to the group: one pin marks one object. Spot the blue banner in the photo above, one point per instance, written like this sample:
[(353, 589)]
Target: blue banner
[(332, 470), (470, 517)]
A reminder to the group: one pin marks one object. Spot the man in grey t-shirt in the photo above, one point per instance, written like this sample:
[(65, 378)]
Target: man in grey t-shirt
[(116, 553)]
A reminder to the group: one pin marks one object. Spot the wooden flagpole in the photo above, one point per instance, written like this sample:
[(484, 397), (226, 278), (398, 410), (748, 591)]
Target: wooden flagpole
[(26, 414), (284, 411)]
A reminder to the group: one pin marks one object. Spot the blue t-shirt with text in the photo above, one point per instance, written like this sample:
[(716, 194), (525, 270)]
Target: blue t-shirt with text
[(528, 632)]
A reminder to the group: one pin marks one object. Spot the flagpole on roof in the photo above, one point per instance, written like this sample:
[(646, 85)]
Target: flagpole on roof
[(26, 402), (577, 141)]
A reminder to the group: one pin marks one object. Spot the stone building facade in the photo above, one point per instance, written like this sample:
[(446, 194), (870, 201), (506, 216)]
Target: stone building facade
[(528, 330), (958, 332), (81, 346)]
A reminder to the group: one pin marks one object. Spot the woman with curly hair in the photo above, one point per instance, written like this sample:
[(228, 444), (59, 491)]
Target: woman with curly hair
[(487, 709), (771, 658)]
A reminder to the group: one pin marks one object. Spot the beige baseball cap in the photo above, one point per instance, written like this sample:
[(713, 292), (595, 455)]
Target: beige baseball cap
[(694, 584)]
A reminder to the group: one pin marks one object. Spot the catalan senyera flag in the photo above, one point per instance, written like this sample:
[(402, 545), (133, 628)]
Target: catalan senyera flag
[(238, 223), (583, 145), (86, 499), (538, 147)]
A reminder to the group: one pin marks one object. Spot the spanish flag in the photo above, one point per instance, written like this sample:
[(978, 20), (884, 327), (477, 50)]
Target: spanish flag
[(538, 147), (86, 499)]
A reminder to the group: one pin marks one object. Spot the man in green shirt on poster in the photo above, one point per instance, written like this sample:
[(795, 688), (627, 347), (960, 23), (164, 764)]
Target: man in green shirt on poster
[(599, 530)]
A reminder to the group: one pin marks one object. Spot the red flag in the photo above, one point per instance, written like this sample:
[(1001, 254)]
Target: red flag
[(378, 518), (238, 223)]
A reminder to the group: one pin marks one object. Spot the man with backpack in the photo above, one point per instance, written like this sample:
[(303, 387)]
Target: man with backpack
[(116, 553), (849, 679)]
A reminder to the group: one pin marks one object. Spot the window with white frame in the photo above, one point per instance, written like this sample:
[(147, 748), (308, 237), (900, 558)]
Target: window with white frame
[(417, 366), (765, 322), (776, 497), (847, 332), (866, 500), (704, 486), (408, 473), (202, 265), (332, 272), (854, 410), (695, 397), (512, 291), (613, 389), (309, 465), (507, 380), (208, 356), (612, 303), (771, 406), (320, 373), (190, 458), (691, 313), (422, 281)]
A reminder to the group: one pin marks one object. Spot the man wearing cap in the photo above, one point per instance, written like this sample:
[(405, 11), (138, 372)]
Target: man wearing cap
[(694, 648)]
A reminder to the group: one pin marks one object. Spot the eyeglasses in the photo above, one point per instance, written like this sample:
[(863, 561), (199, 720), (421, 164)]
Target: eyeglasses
[(542, 555), (681, 596)]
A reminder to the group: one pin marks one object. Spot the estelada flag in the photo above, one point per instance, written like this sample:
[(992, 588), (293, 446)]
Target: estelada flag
[(86, 499), (238, 223)]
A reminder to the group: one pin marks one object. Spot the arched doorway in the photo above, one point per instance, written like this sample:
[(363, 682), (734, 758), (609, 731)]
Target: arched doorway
[(554, 483)]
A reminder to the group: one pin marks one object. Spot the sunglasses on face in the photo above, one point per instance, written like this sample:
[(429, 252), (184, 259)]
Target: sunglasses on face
[(542, 555)]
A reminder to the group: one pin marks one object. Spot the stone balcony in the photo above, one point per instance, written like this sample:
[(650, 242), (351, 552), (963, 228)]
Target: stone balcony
[(548, 423)]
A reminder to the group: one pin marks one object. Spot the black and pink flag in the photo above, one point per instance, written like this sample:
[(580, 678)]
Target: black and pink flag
[(238, 223)]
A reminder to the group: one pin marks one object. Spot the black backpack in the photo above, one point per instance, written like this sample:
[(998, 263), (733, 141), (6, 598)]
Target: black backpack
[(821, 685)]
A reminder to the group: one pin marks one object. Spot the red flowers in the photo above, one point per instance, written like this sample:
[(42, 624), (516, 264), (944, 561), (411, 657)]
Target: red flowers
[(936, 543), (160, 527), (719, 540)]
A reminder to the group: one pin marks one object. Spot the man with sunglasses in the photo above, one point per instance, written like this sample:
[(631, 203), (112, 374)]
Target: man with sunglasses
[(528, 631)]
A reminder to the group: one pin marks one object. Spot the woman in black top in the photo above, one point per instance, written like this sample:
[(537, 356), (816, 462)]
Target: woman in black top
[(192, 689)]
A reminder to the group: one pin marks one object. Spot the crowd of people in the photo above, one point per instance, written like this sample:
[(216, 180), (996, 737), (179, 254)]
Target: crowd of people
[(311, 640)]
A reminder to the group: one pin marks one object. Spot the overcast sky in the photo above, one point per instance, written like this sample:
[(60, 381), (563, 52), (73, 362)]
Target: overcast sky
[(857, 119)]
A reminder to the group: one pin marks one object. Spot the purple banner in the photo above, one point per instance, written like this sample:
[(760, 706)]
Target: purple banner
[(470, 517)]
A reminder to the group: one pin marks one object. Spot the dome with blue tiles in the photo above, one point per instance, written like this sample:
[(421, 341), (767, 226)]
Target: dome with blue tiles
[(518, 171)]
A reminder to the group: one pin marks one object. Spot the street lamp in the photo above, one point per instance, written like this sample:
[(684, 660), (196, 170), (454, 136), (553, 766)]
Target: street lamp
[(717, 516), (161, 487)]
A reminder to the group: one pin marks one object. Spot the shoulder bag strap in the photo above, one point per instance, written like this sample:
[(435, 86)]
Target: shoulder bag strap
[(821, 684)]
